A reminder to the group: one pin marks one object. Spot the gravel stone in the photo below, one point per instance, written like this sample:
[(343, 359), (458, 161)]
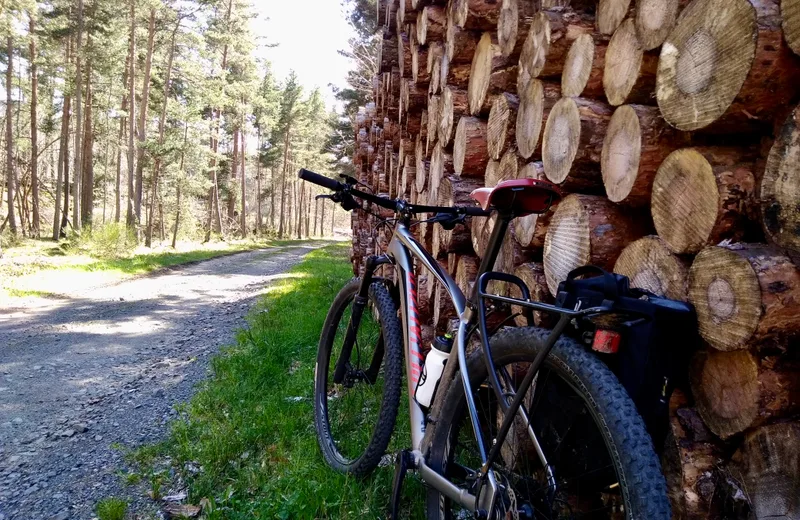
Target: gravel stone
[(114, 360)]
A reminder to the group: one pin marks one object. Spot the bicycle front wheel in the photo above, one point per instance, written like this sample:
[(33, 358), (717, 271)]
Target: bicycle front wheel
[(355, 418), (602, 462)]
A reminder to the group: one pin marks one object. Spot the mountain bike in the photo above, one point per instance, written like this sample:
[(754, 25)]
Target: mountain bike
[(538, 427)]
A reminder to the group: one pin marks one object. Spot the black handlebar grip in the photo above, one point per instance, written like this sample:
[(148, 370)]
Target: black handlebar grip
[(325, 182)]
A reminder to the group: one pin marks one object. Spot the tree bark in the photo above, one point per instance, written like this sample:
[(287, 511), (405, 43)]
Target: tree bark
[(475, 15), (131, 215), (161, 129), (87, 178), (34, 130), (431, 24), (78, 170), (137, 207), (745, 294), (10, 185), (62, 161), (470, 149)]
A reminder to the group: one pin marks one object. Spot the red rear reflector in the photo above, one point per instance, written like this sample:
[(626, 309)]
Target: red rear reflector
[(606, 341)]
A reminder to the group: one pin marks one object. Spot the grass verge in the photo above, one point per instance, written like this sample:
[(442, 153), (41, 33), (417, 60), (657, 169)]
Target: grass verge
[(246, 444)]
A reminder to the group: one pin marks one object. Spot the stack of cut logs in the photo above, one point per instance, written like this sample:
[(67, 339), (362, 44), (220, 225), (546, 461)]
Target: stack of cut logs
[(673, 125)]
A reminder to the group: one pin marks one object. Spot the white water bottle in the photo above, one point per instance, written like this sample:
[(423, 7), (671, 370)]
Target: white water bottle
[(432, 369)]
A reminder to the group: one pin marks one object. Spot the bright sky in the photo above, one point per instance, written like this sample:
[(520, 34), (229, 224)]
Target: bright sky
[(309, 32)]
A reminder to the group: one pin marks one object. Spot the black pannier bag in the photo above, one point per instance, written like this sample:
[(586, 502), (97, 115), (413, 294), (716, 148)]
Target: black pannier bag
[(657, 338)]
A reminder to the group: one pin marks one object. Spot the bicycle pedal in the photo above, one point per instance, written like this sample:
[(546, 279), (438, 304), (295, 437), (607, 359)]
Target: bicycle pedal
[(403, 461)]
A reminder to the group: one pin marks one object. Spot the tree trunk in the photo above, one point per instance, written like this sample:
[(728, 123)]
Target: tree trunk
[(654, 20), (587, 229), (143, 116), (475, 15), (283, 181), (131, 217), (34, 130), (530, 230), (548, 42), (744, 294), (779, 197), (736, 390), (515, 17), (87, 179), (454, 104), (502, 124), (629, 74), (470, 149), (61, 180), (273, 189), (506, 169), (704, 195), (431, 24), (234, 169), (460, 44), (636, 143), (790, 17), (610, 14), (243, 216), (768, 468), (650, 265), (532, 274), (690, 460), (535, 103), (161, 130), (573, 142), (488, 76), (10, 186), (120, 137), (734, 35), (78, 169)]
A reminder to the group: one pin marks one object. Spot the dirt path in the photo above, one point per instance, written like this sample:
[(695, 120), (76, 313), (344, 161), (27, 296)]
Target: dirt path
[(105, 366)]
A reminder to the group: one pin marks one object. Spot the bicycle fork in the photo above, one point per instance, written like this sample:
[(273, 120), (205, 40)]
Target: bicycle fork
[(359, 304)]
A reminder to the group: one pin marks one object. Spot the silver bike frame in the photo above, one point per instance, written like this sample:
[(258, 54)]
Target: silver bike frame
[(402, 248)]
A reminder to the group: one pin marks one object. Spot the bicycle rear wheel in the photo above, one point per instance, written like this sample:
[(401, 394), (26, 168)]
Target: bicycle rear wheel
[(354, 419), (595, 442)]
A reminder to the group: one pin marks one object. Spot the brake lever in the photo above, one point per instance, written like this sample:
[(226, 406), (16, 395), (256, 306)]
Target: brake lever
[(324, 197)]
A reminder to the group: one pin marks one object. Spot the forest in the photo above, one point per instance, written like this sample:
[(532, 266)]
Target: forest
[(156, 115)]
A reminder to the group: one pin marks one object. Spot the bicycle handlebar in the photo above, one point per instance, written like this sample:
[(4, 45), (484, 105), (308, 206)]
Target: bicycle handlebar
[(393, 204), (320, 180)]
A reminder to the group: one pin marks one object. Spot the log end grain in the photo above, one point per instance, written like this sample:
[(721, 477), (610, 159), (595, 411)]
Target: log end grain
[(705, 61), (650, 265)]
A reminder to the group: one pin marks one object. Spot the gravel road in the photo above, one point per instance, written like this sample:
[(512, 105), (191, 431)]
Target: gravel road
[(105, 365)]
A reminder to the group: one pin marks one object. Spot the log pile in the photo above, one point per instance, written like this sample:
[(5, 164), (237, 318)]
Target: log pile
[(674, 128)]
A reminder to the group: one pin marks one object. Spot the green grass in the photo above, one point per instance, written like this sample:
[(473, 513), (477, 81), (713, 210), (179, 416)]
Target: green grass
[(111, 509), (246, 443)]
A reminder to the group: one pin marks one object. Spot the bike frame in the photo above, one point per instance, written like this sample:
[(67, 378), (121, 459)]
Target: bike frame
[(401, 252)]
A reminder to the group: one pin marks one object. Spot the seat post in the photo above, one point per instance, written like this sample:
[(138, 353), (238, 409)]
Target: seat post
[(493, 247)]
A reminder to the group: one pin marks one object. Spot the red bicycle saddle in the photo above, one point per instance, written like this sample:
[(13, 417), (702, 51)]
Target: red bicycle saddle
[(518, 196)]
